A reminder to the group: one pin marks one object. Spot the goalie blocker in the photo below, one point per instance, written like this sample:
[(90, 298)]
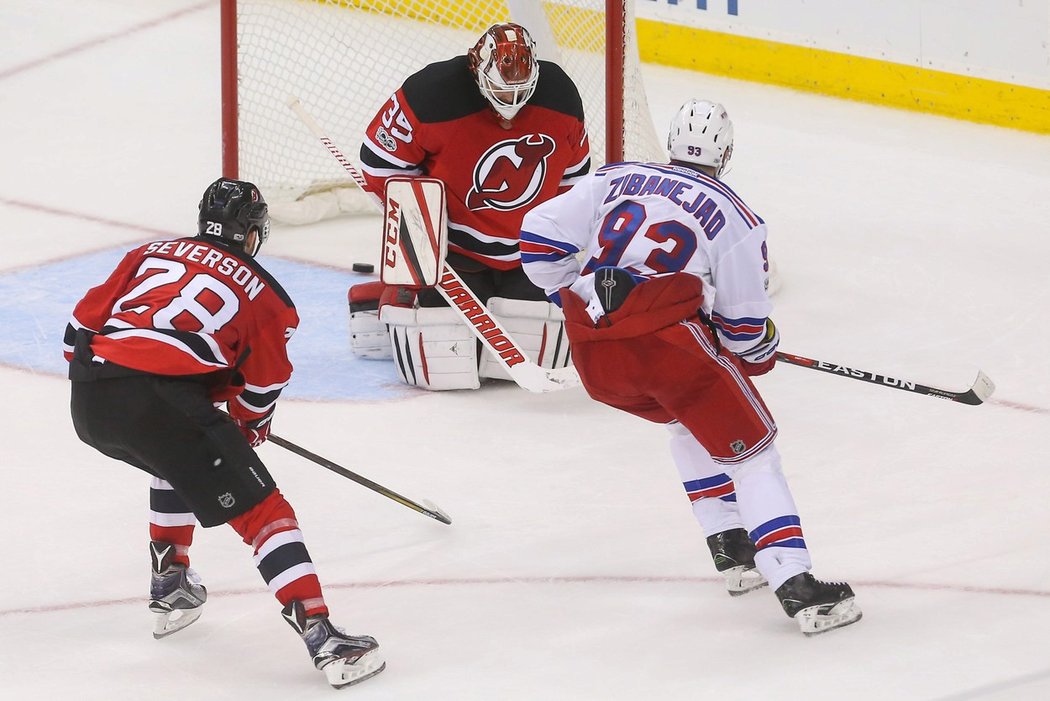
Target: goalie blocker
[(432, 347)]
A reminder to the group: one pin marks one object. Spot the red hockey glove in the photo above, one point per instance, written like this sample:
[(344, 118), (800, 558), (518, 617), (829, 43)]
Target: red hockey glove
[(370, 296), (760, 359), (255, 431)]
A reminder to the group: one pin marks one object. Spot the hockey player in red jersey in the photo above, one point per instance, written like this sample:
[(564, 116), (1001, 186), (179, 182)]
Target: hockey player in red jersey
[(662, 271), (504, 132), (178, 327)]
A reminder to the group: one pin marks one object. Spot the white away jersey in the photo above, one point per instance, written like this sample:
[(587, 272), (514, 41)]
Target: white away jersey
[(655, 219)]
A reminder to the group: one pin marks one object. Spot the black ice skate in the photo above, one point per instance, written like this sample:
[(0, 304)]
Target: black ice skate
[(818, 606), (734, 556), (345, 659), (176, 594)]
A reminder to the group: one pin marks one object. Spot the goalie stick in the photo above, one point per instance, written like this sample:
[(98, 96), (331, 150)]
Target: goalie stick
[(430, 509), (980, 391), (461, 298)]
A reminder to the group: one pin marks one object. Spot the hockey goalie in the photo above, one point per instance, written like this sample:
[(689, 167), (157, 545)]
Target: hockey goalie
[(503, 132)]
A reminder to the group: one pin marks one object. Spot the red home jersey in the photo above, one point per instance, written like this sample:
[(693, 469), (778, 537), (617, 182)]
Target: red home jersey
[(439, 125), (193, 306)]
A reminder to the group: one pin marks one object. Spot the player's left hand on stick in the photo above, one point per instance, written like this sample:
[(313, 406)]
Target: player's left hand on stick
[(760, 358), (255, 431)]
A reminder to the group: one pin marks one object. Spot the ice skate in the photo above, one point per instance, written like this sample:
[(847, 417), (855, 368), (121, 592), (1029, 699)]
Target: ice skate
[(176, 594), (734, 556), (345, 659), (818, 606)]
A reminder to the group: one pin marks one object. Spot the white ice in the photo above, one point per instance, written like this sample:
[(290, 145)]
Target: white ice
[(908, 244)]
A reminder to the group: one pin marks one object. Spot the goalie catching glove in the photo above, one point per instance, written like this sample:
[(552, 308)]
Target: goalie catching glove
[(760, 358)]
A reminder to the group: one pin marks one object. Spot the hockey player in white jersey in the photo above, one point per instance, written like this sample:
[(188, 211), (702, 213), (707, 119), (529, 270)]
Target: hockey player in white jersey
[(662, 270)]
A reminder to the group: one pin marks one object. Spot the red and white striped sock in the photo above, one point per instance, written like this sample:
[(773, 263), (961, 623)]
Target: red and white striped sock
[(170, 520), (271, 529)]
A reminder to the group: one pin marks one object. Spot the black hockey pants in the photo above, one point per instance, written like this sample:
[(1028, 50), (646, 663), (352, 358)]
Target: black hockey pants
[(169, 427)]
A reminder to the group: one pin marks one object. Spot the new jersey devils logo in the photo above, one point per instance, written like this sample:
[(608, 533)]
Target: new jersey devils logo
[(510, 174)]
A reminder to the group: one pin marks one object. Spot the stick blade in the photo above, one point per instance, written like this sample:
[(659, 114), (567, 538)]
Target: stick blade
[(436, 512), (537, 379), (982, 389)]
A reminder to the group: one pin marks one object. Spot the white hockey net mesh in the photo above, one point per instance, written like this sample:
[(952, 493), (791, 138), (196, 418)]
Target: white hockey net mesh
[(344, 58)]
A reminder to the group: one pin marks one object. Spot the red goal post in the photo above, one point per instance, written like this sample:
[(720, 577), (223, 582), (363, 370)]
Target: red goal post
[(344, 58)]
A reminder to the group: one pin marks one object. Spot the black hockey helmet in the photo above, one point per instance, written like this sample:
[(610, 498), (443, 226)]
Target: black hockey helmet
[(232, 209)]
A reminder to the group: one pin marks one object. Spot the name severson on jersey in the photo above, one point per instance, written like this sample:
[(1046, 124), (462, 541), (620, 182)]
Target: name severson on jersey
[(240, 273)]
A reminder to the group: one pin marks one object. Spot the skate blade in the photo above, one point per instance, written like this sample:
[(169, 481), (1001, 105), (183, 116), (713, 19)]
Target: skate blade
[(741, 579), (174, 620), (340, 673), (820, 619)]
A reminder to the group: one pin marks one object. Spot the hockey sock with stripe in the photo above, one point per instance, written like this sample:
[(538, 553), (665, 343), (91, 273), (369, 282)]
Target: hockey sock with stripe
[(272, 530), (170, 520)]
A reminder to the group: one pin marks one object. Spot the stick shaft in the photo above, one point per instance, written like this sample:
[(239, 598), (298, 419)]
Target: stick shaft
[(976, 394), (363, 481)]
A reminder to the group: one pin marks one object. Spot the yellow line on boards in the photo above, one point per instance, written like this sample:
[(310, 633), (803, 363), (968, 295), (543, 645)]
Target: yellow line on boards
[(843, 75)]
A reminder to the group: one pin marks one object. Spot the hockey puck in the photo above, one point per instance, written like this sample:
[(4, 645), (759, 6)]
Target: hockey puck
[(364, 268)]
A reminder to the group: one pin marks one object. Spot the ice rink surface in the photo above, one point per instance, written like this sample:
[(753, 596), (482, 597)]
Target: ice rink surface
[(910, 245)]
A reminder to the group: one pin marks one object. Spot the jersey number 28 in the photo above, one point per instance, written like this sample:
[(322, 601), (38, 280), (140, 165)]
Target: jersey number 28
[(184, 300)]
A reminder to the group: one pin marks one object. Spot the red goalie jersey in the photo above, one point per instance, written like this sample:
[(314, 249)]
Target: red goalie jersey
[(193, 306), (439, 125)]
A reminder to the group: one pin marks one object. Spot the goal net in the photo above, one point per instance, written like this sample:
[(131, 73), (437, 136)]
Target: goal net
[(344, 58)]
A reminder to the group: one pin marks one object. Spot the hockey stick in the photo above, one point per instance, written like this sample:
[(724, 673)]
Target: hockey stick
[(432, 510), (461, 298), (978, 392)]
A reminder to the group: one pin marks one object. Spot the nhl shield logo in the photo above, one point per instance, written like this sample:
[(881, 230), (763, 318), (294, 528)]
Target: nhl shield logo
[(738, 447), (226, 500)]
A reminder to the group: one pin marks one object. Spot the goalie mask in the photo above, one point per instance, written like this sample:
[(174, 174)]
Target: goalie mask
[(504, 64), (701, 133), (234, 210)]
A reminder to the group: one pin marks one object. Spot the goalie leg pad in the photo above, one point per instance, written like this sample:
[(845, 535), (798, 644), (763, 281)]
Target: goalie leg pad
[(432, 348), (539, 327), (368, 336)]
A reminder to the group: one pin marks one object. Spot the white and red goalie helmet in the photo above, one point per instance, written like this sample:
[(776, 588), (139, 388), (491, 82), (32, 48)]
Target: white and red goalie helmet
[(504, 64)]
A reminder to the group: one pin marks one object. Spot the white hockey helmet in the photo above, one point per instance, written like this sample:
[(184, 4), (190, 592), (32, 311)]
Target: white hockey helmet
[(504, 64), (701, 133)]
